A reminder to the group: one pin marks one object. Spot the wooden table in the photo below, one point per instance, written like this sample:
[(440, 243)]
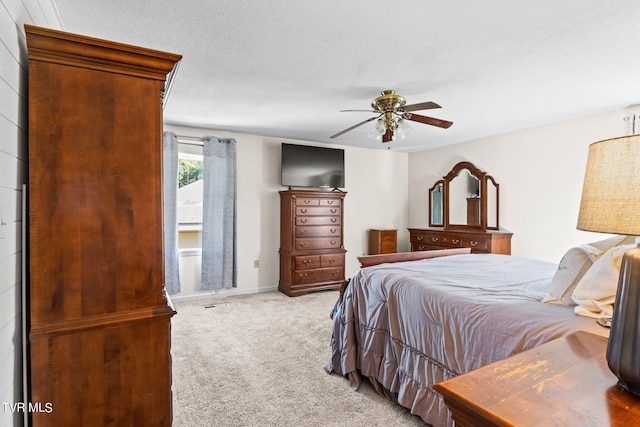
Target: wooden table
[(565, 382)]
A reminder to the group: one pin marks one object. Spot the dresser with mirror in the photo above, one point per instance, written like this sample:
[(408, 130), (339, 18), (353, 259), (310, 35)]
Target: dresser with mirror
[(463, 212)]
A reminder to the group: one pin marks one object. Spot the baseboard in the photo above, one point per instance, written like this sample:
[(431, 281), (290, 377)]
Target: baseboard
[(222, 293)]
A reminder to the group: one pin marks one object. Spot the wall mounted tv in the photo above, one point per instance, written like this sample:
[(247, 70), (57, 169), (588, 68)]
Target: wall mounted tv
[(308, 166)]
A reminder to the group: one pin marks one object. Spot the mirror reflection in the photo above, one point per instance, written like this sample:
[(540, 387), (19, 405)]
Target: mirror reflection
[(436, 200), (464, 199)]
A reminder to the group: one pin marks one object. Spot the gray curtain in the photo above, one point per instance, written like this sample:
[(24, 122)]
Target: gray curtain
[(219, 259), (170, 179)]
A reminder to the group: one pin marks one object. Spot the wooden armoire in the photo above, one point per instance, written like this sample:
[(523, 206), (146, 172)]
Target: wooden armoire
[(98, 316)]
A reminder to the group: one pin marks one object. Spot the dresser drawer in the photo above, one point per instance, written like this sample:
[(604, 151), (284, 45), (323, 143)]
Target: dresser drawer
[(307, 262), (303, 201), (444, 240), (318, 231), (388, 235), (332, 260), (478, 244), (317, 211), (318, 243), (388, 247), (331, 202), (318, 275), (418, 239), (318, 220)]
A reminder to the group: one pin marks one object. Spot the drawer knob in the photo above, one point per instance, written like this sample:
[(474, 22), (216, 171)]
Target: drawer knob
[(332, 260), (434, 239), (303, 276), (306, 202), (333, 220), (333, 230), (303, 210), (455, 241), (335, 273), (334, 210), (333, 242), (418, 238), (306, 262), (302, 244), (474, 243), (303, 220), (329, 202), (421, 248)]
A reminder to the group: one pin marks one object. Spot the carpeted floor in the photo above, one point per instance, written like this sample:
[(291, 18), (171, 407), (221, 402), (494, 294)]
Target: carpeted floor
[(258, 360)]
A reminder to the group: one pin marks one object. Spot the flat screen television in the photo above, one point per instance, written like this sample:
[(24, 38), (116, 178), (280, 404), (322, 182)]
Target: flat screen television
[(308, 166)]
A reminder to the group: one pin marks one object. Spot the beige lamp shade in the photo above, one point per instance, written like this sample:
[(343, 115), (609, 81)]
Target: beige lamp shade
[(611, 193)]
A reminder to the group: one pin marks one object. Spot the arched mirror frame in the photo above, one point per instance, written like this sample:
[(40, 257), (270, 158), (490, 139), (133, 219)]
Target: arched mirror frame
[(486, 205), (489, 203)]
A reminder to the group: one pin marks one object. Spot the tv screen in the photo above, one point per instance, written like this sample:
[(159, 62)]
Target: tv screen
[(307, 166)]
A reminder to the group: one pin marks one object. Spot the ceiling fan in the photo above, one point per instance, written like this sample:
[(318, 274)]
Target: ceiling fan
[(392, 112)]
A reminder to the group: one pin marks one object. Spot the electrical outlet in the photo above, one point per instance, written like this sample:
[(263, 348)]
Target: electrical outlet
[(256, 263)]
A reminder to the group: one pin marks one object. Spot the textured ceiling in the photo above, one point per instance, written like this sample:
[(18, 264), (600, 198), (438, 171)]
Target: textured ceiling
[(285, 68)]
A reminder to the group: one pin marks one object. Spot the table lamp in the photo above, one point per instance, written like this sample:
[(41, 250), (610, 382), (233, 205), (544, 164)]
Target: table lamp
[(611, 204)]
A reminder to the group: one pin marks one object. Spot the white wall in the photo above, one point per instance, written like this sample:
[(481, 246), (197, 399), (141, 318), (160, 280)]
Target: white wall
[(376, 185), (13, 173), (540, 172)]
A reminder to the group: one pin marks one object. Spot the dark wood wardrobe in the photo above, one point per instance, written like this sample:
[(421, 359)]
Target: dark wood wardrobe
[(98, 317)]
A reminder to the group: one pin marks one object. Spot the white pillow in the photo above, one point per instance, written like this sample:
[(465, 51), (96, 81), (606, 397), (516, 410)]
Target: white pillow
[(573, 266), (606, 244), (595, 293)]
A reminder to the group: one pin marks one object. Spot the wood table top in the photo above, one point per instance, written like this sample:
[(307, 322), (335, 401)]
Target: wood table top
[(565, 382)]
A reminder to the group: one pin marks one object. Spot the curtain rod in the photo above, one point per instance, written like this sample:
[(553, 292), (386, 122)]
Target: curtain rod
[(194, 140)]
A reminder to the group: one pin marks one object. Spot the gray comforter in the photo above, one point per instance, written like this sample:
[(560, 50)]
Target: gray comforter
[(409, 325)]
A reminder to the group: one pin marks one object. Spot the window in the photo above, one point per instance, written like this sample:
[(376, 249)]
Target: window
[(190, 170)]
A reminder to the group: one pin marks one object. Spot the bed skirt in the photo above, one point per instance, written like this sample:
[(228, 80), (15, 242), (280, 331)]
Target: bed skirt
[(379, 359)]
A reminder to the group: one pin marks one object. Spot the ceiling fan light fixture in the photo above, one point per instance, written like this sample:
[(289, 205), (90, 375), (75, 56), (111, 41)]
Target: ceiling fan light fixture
[(402, 129), (378, 130), (392, 116)]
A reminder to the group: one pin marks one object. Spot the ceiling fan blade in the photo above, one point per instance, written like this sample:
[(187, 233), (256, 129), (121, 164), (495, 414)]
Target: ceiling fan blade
[(388, 136), (428, 120), (353, 127), (421, 106)]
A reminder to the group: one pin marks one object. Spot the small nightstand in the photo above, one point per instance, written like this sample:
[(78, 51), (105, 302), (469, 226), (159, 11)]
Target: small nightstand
[(565, 382), (383, 241)]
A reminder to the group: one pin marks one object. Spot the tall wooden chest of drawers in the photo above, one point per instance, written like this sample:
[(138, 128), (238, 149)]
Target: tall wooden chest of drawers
[(311, 241)]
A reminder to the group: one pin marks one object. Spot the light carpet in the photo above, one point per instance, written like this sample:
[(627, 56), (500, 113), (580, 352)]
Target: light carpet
[(258, 360)]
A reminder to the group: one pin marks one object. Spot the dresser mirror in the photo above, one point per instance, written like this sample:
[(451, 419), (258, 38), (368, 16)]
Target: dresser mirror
[(466, 198), (436, 214)]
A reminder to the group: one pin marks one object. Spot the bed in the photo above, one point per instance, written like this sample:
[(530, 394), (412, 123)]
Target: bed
[(407, 325)]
